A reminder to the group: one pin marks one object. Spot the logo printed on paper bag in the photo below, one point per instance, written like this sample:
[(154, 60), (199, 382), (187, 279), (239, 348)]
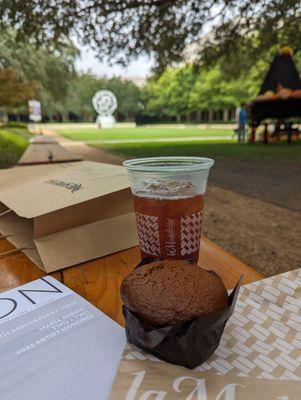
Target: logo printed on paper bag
[(73, 187)]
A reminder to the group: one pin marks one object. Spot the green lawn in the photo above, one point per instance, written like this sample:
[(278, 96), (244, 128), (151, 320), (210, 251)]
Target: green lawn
[(281, 152), (13, 142), (216, 148), (140, 133)]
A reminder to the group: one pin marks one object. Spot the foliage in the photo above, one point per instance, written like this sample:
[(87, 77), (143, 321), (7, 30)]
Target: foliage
[(15, 91), (80, 94), (212, 90), (27, 72), (128, 96), (181, 90), (14, 124), (122, 29), (12, 146), (169, 94)]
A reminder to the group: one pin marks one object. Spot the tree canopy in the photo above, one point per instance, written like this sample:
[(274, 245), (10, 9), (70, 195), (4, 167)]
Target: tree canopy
[(122, 29), (14, 90), (27, 72), (169, 93), (186, 89)]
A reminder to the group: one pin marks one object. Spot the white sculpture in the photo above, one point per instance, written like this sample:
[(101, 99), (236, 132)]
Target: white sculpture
[(105, 103)]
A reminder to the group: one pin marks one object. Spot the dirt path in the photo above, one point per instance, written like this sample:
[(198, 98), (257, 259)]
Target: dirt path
[(264, 235), (82, 150), (277, 184)]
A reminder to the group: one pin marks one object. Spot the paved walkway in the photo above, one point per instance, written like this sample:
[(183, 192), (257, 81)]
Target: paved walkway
[(159, 140), (81, 149)]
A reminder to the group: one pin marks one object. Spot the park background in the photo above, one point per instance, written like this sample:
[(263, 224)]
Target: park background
[(186, 106)]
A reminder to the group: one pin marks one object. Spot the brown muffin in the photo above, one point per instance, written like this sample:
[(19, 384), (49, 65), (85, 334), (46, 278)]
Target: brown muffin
[(170, 292)]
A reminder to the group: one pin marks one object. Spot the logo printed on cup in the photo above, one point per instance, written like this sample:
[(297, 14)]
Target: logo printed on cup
[(170, 237)]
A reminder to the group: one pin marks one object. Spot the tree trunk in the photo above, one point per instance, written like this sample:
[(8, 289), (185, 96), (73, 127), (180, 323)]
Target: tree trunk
[(210, 115), (178, 118), (225, 115)]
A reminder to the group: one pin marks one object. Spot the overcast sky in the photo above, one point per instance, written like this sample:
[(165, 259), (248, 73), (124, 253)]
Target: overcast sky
[(88, 61)]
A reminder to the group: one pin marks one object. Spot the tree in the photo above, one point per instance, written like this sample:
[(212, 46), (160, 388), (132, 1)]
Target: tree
[(14, 91), (34, 72), (79, 100), (169, 94), (186, 89), (214, 90), (123, 29), (128, 96), (27, 71)]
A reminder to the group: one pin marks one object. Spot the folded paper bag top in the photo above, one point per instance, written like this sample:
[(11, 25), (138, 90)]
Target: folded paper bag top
[(64, 214), (37, 190)]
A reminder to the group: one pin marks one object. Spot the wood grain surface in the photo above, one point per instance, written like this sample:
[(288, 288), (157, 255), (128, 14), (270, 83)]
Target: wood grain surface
[(99, 281)]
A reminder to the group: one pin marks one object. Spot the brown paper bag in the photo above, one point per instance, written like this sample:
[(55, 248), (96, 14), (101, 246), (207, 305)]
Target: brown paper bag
[(60, 215), (259, 357)]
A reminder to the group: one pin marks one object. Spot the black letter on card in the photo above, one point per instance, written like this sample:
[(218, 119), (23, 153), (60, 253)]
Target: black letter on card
[(22, 291), (14, 305)]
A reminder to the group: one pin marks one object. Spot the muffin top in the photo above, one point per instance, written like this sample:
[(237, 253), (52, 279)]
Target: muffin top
[(170, 292)]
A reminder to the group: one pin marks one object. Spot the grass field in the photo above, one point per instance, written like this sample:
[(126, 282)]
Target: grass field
[(13, 142), (140, 133), (221, 149), (218, 143)]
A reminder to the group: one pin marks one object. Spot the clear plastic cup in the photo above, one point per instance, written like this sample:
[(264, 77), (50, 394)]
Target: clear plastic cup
[(168, 197)]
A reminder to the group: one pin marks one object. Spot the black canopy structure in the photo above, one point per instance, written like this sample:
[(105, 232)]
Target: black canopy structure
[(284, 79), (283, 72)]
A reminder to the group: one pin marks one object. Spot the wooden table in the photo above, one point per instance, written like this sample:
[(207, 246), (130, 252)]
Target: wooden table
[(99, 281)]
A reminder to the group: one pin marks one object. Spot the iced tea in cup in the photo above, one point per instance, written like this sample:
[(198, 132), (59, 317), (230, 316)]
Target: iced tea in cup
[(169, 199)]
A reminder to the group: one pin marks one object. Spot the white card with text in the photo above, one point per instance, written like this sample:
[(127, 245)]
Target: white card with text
[(55, 345)]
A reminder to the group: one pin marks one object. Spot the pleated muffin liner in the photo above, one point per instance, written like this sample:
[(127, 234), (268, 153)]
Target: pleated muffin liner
[(188, 344)]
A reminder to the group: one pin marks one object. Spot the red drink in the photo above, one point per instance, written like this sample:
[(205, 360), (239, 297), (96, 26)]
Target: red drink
[(169, 220), (169, 199)]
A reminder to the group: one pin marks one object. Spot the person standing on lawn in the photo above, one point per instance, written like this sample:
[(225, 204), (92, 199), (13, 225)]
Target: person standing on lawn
[(242, 122)]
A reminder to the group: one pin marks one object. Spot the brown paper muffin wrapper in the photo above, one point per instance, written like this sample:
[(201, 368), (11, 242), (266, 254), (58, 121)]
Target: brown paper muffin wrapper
[(189, 344)]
